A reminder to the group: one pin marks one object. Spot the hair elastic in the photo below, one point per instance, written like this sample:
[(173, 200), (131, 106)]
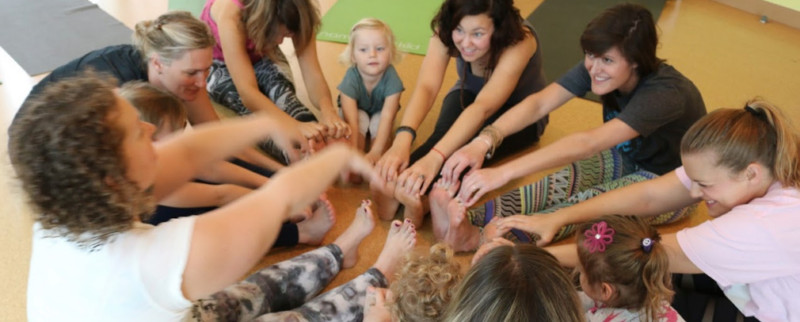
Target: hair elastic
[(759, 113), (598, 237), (647, 245)]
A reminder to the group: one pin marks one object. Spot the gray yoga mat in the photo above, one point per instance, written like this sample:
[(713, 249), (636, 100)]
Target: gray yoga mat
[(41, 35), (560, 23)]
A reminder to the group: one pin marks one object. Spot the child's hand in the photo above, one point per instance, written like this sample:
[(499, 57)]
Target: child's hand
[(488, 246), (375, 309), (335, 126), (373, 157)]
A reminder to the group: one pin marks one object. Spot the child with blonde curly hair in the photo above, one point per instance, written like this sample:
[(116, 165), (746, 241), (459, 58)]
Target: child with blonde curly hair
[(421, 291)]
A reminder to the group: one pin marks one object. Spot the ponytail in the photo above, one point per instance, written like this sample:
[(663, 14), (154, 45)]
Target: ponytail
[(633, 260), (759, 132), (171, 35)]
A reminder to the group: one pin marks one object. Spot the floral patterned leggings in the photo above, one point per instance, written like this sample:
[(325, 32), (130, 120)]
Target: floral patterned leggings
[(285, 292)]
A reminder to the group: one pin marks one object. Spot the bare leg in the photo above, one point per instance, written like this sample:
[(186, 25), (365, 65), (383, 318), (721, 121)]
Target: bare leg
[(385, 204), (401, 239), (313, 230), (462, 236), (362, 225), (440, 198)]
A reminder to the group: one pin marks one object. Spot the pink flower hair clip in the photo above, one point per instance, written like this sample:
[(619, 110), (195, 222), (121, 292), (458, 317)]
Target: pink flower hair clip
[(598, 237)]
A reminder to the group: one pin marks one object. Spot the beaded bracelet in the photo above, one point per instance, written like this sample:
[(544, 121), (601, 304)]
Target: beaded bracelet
[(406, 129), (497, 138)]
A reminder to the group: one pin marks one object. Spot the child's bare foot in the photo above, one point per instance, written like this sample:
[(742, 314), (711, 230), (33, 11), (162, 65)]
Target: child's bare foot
[(412, 207), (461, 235), (401, 239), (440, 198), (360, 228), (313, 230)]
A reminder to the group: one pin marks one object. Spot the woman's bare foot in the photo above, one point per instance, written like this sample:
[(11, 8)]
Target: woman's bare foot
[(383, 196), (440, 198), (413, 207), (400, 240), (461, 235), (313, 230), (362, 225)]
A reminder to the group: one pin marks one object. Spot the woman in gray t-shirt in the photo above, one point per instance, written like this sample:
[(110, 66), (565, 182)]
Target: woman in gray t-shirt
[(647, 106)]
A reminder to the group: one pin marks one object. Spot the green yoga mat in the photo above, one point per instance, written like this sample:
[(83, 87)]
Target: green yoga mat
[(560, 23), (410, 20), (193, 6)]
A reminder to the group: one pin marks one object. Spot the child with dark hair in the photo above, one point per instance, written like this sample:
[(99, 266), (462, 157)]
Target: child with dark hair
[(624, 271)]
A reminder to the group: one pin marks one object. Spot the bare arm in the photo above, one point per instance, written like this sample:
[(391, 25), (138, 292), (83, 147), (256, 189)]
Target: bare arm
[(194, 194), (429, 81), (181, 157), (573, 147), (227, 242), (567, 255), (381, 141), (226, 172), (233, 42), (647, 198), (318, 90), (350, 112)]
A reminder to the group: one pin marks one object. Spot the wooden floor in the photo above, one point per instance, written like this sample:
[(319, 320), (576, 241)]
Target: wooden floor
[(729, 55)]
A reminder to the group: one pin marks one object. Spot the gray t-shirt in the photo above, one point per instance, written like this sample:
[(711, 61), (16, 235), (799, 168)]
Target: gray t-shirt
[(353, 86), (661, 108)]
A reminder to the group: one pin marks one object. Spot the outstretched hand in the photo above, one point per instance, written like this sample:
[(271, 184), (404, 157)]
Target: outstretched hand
[(477, 183), (544, 225), (335, 127), (488, 246), (290, 138), (394, 161), (468, 156), (416, 179)]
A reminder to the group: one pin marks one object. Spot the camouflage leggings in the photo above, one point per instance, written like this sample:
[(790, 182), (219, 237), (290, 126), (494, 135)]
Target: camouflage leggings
[(285, 292), (274, 80)]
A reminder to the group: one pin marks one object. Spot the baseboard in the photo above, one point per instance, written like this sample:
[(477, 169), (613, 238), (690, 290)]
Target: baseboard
[(772, 11)]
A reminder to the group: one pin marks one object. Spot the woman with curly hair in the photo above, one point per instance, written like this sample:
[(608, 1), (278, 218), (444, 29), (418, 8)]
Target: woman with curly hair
[(88, 165)]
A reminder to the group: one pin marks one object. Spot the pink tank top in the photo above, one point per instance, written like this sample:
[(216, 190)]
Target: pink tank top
[(206, 17)]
